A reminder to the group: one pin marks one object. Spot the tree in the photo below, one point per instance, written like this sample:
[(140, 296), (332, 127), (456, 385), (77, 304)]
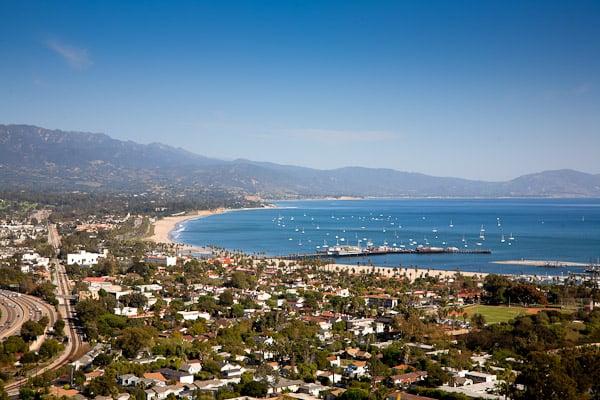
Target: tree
[(134, 339), (478, 320), (226, 298), (135, 300), (254, 389), (30, 330), (15, 344), (50, 348), (354, 394), (59, 327)]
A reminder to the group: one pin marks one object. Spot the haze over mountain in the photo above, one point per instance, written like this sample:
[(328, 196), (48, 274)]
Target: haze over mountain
[(41, 159)]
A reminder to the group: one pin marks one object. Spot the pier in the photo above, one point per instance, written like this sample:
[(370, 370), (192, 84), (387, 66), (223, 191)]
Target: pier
[(367, 252)]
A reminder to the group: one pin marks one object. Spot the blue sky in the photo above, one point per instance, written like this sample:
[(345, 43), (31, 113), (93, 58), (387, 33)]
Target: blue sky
[(487, 90)]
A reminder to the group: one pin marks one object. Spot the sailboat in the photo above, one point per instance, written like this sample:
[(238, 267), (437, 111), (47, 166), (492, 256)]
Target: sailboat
[(482, 233), (511, 237), (502, 239), (451, 224)]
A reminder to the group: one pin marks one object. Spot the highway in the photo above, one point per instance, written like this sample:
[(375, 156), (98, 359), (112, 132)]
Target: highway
[(74, 343), (18, 308)]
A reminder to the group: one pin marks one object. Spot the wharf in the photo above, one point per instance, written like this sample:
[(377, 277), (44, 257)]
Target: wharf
[(394, 250)]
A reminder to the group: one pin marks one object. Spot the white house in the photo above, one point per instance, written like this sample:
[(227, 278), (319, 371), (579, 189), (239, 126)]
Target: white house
[(194, 315), (192, 367), (126, 311)]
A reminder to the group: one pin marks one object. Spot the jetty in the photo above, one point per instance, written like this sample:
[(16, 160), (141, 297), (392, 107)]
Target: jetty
[(354, 251)]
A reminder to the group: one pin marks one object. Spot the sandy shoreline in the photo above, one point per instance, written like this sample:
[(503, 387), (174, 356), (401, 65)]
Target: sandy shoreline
[(164, 226), (411, 273)]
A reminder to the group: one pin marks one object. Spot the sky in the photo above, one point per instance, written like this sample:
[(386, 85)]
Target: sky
[(475, 89)]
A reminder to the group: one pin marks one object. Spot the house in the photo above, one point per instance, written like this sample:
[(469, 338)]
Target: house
[(177, 376), (330, 376), (192, 367), (161, 393), (126, 311), (229, 370), (155, 376), (381, 301), (284, 385), (334, 361), (399, 395), (313, 389), (459, 381), (408, 378), (128, 380), (167, 261), (357, 369), (358, 353), (480, 377), (194, 315), (211, 385)]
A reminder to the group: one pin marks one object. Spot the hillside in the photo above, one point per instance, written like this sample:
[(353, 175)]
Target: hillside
[(35, 158)]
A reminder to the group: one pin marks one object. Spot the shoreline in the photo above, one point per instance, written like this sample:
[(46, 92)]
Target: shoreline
[(411, 273), (164, 227)]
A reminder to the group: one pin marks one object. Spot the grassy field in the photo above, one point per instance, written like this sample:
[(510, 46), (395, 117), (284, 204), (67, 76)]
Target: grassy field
[(496, 314)]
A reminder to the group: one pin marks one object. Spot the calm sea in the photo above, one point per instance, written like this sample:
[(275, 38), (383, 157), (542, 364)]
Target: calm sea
[(566, 230)]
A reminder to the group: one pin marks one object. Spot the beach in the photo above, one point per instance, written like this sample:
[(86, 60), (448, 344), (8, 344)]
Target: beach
[(408, 272), (164, 226)]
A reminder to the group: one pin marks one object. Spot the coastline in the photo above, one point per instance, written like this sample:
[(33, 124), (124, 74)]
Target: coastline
[(165, 226), (411, 273)]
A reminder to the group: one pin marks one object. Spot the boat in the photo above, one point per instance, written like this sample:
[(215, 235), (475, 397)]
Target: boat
[(511, 237), (502, 240), (451, 224)]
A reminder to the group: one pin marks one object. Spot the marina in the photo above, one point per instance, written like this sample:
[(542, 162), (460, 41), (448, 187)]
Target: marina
[(477, 235)]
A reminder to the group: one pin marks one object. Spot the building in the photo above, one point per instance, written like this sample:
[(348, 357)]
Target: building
[(167, 261), (84, 258), (381, 300)]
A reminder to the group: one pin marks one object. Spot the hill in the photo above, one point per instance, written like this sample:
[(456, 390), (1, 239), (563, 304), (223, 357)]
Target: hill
[(35, 158)]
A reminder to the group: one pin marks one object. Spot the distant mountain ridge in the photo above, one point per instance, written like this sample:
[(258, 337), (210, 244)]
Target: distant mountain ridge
[(36, 158)]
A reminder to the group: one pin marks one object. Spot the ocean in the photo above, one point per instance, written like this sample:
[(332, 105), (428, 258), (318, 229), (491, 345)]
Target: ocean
[(532, 229)]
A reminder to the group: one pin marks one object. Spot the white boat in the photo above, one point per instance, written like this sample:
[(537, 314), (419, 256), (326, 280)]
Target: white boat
[(502, 240), (451, 224), (511, 237)]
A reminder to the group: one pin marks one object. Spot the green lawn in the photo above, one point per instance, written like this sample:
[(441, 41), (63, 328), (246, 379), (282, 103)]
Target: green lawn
[(496, 314)]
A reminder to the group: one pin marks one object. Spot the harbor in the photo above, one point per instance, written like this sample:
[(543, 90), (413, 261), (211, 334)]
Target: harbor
[(356, 251)]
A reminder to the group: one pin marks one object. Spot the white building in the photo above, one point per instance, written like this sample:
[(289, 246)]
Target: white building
[(194, 315), (85, 258)]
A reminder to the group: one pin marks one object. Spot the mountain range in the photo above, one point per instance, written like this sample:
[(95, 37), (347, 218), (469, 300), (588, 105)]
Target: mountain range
[(36, 158)]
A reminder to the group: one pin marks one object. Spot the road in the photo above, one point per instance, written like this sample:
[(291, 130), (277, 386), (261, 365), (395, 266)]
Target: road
[(74, 343), (18, 308)]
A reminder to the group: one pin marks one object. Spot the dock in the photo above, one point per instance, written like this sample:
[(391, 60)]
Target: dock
[(368, 252)]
